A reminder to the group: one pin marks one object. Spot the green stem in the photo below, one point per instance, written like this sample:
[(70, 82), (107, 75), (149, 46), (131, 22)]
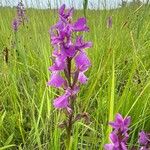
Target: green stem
[(15, 51), (69, 129), (70, 117)]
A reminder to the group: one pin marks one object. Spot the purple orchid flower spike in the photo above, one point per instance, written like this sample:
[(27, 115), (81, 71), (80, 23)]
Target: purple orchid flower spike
[(144, 140), (21, 13), (20, 9), (66, 50), (119, 135), (70, 62), (121, 123), (21, 17)]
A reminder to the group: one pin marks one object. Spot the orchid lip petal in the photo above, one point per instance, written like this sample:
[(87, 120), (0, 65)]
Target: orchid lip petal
[(82, 61), (114, 138), (80, 25), (61, 102), (82, 78), (56, 80), (109, 147), (119, 119)]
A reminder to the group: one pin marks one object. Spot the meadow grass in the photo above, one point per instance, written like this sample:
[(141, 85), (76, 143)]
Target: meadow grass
[(119, 80)]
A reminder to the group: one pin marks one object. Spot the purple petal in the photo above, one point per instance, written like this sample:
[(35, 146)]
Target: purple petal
[(143, 138), (15, 24), (114, 125), (61, 102), (65, 15), (80, 44), (70, 12), (62, 9), (56, 40), (127, 121), (59, 64), (109, 147), (123, 146), (69, 51), (82, 62), (143, 148), (82, 78), (56, 80), (73, 91), (63, 35), (80, 25), (119, 119), (126, 137), (114, 139), (59, 26)]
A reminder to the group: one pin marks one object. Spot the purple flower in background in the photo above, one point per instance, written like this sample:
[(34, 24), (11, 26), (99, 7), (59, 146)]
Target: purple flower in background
[(21, 13), (15, 25), (119, 135), (144, 140), (109, 22), (20, 9), (20, 18), (117, 144), (121, 123), (68, 49)]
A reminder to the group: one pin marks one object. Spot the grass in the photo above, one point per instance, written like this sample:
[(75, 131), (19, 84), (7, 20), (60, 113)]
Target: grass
[(119, 80)]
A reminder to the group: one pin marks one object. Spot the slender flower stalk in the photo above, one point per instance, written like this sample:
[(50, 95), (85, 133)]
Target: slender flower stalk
[(119, 135), (109, 22), (70, 62)]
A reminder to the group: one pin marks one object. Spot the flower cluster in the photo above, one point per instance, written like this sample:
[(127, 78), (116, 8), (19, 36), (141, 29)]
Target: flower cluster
[(144, 140), (20, 18), (119, 135), (70, 61)]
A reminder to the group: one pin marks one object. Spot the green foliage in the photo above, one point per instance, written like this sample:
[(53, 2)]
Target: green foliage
[(119, 79)]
